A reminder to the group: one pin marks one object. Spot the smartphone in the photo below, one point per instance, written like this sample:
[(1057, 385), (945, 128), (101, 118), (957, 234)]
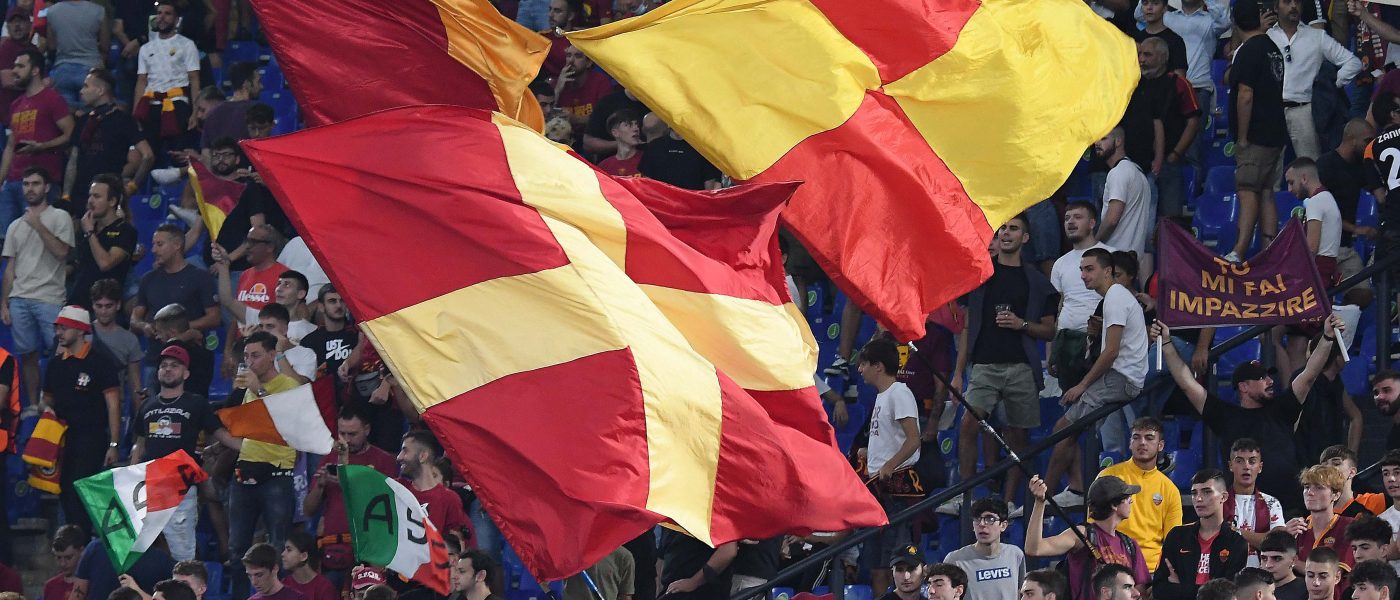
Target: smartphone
[(332, 468)]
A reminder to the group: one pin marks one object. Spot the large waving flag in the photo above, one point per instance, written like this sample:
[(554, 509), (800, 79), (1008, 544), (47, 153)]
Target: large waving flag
[(920, 126), (292, 418), (532, 340), (345, 58), (214, 195), (389, 528), (131, 505)]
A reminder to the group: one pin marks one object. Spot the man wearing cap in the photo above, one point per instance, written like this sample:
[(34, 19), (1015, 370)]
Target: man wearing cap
[(1110, 502), (37, 246), (170, 422), (1260, 414), (83, 390), (907, 562), (365, 577)]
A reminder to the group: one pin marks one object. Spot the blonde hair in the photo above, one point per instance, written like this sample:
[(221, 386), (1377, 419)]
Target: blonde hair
[(559, 129), (1324, 475)]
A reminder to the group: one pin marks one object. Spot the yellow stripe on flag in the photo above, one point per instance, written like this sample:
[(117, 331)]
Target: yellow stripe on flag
[(501, 51), (1012, 101), (213, 218)]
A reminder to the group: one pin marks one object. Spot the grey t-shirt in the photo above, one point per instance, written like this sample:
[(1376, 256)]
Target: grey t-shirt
[(125, 348), (75, 24), (991, 578)]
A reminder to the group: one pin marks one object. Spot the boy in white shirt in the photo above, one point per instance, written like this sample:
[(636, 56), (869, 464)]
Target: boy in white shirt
[(894, 444)]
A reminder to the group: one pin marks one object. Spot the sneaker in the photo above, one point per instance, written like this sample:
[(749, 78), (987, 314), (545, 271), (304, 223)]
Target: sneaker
[(852, 391), (1014, 511), (29, 411), (1069, 499), (1232, 257), (951, 507), (838, 368), (166, 176), (189, 215)]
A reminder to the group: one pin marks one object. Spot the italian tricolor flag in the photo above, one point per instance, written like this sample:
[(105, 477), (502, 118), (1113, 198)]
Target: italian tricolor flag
[(131, 505), (389, 528)]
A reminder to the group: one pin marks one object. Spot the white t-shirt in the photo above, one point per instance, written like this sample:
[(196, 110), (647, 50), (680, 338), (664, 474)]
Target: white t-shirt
[(1078, 301), (1121, 308), (1392, 516), (299, 329), (1245, 517), (167, 62), (1126, 183), (886, 434), (303, 361), (1322, 206)]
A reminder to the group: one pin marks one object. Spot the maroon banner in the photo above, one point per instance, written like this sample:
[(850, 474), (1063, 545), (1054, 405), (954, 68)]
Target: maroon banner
[(1196, 288)]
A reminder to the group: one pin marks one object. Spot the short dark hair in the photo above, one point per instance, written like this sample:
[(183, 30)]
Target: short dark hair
[(1337, 451), (173, 231), (453, 542), (226, 143), (1371, 529), (296, 276), (1279, 541), (173, 315), (171, 4), (68, 536), (261, 114), (1325, 555), (1245, 444), (105, 77), (105, 289), (990, 504), (1086, 206), (1103, 578), (1101, 256), (956, 576), (124, 593), (116, 190), (623, 116), (326, 290), (1249, 577), (276, 311), (306, 542), (352, 411), (1383, 375), (1302, 162), (1216, 589), (1375, 573), (883, 352), (1208, 475), (1025, 221), (37, 170), (1246, 15), (262, 338), (1149, 424), (1050, 582), (241, 73), (1126, 263), (36, 58), (1391, 458), (426, 439), (380, 591), (481, 561), (192, 568), (262, 556), (174, 589)]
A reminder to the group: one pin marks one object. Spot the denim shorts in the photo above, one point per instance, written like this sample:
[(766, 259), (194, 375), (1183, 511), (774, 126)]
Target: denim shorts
[(31, 325)]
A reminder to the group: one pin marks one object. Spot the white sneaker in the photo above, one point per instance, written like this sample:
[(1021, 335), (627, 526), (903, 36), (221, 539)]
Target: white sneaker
[(838, 368), (1232, 257), (951, 507), (166, 176), (189, 215), (1069, 499), (1015, 511)]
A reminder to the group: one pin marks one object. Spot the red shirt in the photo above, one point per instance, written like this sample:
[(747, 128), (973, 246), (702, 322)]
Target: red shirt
[(56, 588), (319, 588), (333, 519), (555, 60), (259, 288), (578, 98), (9, 50), (35, 119), (9, 580), (1203, 566), (1334, 538), (612, 165), (443, 505)]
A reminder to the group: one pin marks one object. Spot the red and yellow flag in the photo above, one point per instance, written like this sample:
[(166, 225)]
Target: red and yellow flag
[(919, 126), (214, 195), (345, 58), (512, 289)]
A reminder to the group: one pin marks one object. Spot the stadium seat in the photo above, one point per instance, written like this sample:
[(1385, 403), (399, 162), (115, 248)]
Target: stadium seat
[(1221, 153), (284, 107), (1288, 206), (781, 593), (1220, 180), (859, 592), (272, 78), (217, 588), (240, 51), (1108, 459), (1215, 220), (1188, 175)]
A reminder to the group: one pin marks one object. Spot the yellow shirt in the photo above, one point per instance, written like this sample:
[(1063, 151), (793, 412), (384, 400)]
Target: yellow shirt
[(1156, 509), (281, 457)]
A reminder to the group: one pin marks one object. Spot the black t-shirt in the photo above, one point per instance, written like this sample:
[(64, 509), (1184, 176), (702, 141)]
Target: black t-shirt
[(608, 105), (759, 559), (1144, 106), (175, 424), (1392, 440), (120, 234), (76, 384), (643, 549), (1259, 65), (999, 345), (1322, 414), (1293, 590), (104, 139), (1272, 426), (1176, 47), (256, 199), (331, 347), (1384, 153), (191, 287), (1346, 180), (683, 556), (677, 163)]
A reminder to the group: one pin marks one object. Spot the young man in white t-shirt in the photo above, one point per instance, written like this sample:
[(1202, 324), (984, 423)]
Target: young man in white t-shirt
[(1128, 213), (1117, 375), (1323, 221), (167, 75), (1390, 479), (894, 442), (1077, 302)]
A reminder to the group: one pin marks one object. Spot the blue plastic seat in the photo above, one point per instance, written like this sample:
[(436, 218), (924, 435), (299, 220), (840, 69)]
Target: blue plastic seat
[(240, 51), (859, 592), (781, 593), (272, 78), (284, 109), (1220, 180), (1289, 206)]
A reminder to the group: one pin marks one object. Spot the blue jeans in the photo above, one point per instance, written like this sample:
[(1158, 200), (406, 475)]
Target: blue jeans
[(1196, 155), (273, 500), (485, 532), (180, 532), (31, 325), (68, 82)]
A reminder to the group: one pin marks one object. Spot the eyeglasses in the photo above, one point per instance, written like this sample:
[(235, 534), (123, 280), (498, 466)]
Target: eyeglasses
[(986, 520)]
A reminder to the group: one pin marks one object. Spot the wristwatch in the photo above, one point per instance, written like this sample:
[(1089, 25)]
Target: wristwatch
[(1025, 325), (111, 444)]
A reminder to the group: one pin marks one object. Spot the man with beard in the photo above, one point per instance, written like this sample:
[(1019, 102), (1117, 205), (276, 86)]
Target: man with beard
[(37, 247), (40, 127), (420, 452), (335, 339), (167, 75), (1385, 390), (109, 240), (171, 422), (1077, 304), (105, 137), (324, 497), (1260, 415), (1127, 216)]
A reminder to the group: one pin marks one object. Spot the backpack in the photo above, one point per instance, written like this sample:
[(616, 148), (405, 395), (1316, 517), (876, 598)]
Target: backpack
[(1129, 546)]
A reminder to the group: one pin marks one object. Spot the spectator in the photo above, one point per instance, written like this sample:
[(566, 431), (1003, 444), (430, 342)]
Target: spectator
[(1254, 584), (1260, 415), (473, 574), (598, 138), (1077, 301), (564, 15), (1323, 219), (894, 442), (298, 258), (1153, 13), (614, 575), (1157, 504), (380, 591), (1175, 105), (420, 451), (97, 578), (173, 280), (78, 386), (173, 589), (300, 563), (1199, 552), (1304, 48), (262, 565), (37, 247), (291, 292), (194, 574), (1252, 512), (907, 565), (230, 118), (578, 87), (1044, 584), (1127, 197), (108, 243), (106, 137), (167, 74), (1007, 314), (255, 206), (297, 362), (1390, 479), (1116, 375), (225, 157), (257, 284), (1257, 126), (1372, 580), (18, 30), (324, 496), (755, 563), (1329, 416), (336, 338), (362, 578), (1344, 172), (40, 129), (692, 570), (260, 121), (1199, 24), (1323, 527), (946, 582), (79, 36), (995, 569), (624, 127), (1216, 589), (1322, 572), (263, 484), (170, 422), (1385, 390), (120, 343), (670, 159), (1109, 504), (173, 327), (1278, 554), (1115, 582), (67, 545), (1370, 538), (1348, 503)]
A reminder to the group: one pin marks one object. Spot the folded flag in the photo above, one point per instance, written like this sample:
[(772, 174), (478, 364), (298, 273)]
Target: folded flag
[(345, 58), (389, 528), (291, 418), (130, 506), (919, 126), (215, 196), (526, 303), (44, 446)]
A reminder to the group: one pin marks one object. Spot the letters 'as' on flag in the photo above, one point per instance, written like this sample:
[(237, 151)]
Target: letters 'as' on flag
[(919, 126), (345, 58), (292, 418), (215, 196), (389, 528), (663, 435), (130, 506)]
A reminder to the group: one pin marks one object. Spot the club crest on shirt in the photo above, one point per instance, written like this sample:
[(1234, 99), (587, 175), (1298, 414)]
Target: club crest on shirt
[(83, 380), (1328, 541), (1157, 499)]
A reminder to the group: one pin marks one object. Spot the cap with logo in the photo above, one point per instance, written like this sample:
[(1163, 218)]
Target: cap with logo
[(176, 352), (907, 555)]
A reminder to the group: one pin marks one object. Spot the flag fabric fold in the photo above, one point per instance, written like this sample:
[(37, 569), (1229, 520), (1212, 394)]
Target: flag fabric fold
[(540, 348), (292, 418), (919, 126), (347, 58), (130, 506), (389, 528), (214, 195)]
